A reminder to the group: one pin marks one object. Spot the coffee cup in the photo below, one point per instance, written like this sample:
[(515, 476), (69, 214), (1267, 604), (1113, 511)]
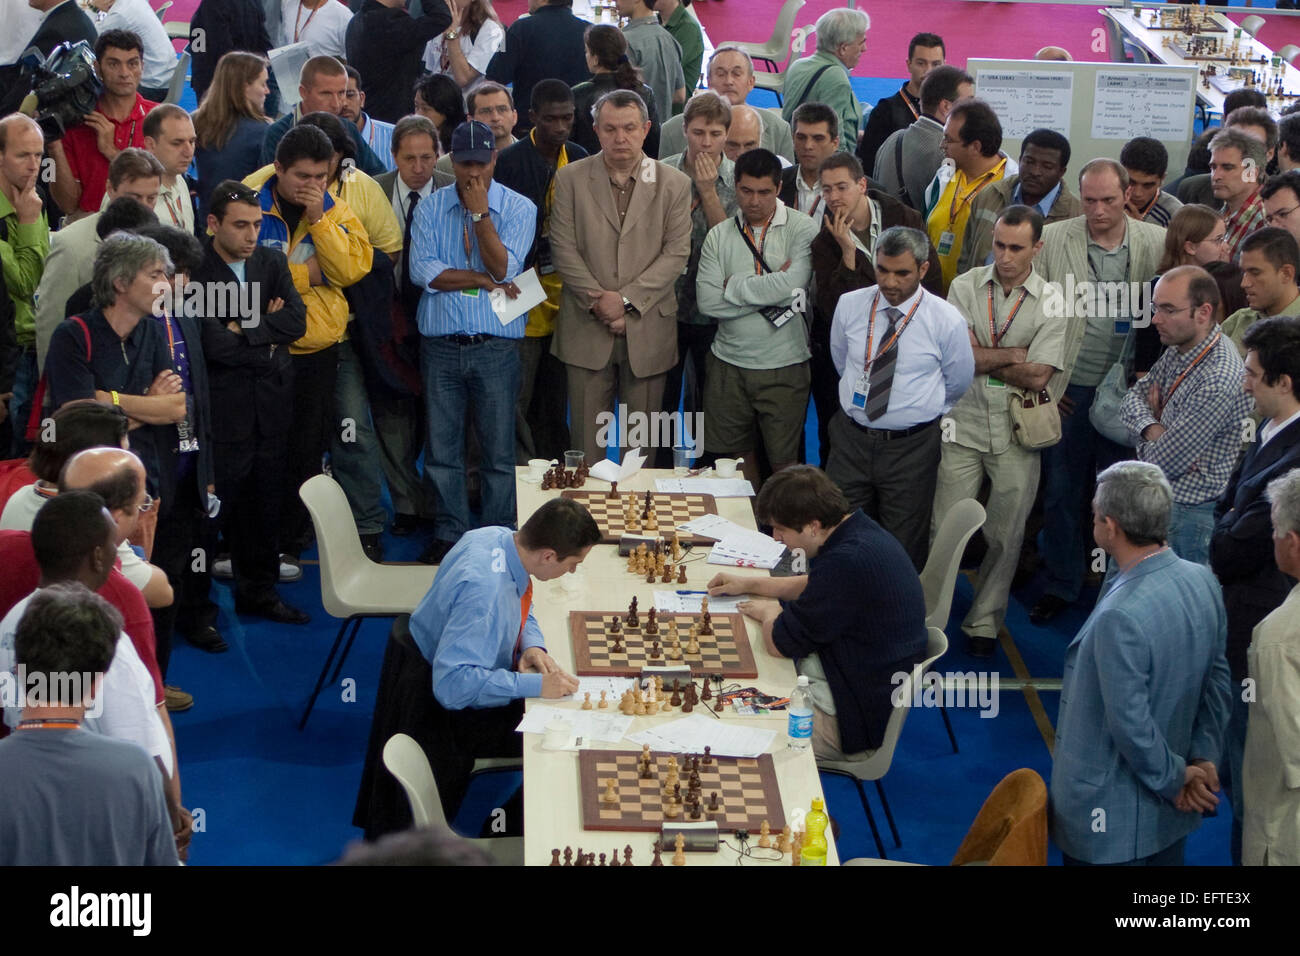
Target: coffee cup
[(537, 468), (726, 467), (557, 734)]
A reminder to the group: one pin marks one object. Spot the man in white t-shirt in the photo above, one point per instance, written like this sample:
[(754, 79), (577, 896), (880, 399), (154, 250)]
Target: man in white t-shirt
[(321, 24)]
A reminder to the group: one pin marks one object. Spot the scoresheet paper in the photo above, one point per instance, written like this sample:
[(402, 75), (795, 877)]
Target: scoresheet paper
[(692, 734), (606, 726)]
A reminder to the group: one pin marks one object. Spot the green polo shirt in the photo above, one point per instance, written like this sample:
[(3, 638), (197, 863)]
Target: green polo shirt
[(22, 256), (1235, 325), (686, 30)]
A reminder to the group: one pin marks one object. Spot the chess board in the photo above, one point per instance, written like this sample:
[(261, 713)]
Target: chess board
[(746, 787), (726, 651), (671, 509)]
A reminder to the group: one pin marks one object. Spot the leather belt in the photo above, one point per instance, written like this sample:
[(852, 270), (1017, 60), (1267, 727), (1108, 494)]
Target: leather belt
[(459, 339), (885, 434)]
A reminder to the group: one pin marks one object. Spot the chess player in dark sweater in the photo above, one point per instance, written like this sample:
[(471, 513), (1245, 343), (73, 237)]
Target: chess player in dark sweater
[(856, 619)]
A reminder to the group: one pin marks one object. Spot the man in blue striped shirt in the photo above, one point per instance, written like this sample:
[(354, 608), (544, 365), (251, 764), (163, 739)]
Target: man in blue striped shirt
[(468, 242)]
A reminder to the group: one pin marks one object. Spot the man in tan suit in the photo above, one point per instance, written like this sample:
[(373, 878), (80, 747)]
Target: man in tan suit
[(620, 237)]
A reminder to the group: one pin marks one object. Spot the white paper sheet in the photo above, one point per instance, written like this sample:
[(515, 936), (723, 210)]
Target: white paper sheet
[(747, 549), (711, 526), (718, 487), (607, 470), (531, 294), (606, 726), (688, 602), (692, 734), (612, 686)]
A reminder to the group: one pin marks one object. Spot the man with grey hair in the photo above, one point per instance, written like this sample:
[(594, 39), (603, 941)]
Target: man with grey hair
[(1187, 412), (1237, 162), (731, 75), (1101, 250), (1271, 770), (1145, 694), (903, 356), (824, 75)]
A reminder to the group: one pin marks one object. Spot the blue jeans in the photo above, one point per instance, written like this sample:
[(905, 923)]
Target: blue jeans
[(1171, 855), (1234, 752), (1071, 467), (26, 379), (1190, 527), (486, 375), (354, 449)]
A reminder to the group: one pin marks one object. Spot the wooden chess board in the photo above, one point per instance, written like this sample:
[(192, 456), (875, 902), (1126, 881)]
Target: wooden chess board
[(672, 510), (726, 651), (746, 787)]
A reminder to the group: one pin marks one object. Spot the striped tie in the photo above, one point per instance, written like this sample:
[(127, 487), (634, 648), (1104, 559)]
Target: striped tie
[(882, 369)]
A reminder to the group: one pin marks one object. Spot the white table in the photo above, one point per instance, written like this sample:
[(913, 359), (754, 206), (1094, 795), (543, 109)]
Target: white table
[(552, 810), (1133, 24)]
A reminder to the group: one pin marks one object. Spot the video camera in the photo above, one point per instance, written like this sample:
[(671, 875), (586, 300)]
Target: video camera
[(64, 87)]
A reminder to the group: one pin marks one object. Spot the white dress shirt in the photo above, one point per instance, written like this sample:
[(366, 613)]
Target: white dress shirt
[(935, 363), (324, 29), (1272, 427), (478, 51), (808, 199), (401, 199)]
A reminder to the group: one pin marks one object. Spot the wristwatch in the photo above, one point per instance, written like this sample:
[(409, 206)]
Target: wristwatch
[(450, 35), (627, 305), (478, 216)]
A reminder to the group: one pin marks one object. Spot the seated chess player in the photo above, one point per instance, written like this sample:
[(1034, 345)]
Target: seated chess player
[(477, 630), (856, 619)]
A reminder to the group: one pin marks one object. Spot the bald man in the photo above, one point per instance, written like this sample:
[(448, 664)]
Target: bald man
[(744, 133), (24, 244), (731, 75)]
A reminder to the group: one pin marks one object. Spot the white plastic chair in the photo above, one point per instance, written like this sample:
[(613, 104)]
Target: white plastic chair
[(875, 765), (163, 9), (939, 577), (407, 761), (352, 587), (777, 48), (1253, 24), (1289, 53), (176, 88), (178, 29)]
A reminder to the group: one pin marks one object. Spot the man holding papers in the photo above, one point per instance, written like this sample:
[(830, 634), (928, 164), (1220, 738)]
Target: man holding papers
[(852, 623), (468, 244)]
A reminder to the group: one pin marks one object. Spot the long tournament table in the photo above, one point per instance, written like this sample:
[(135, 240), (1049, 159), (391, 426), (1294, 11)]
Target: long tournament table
[(552, 806)]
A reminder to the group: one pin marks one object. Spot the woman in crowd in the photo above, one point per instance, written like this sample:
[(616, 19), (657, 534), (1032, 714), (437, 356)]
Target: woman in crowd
[(439, 100), (612, 70), (230, 123), (464, 50)]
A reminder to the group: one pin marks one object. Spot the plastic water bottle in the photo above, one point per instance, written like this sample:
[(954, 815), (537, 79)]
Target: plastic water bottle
[(801, 715), (814, 844)]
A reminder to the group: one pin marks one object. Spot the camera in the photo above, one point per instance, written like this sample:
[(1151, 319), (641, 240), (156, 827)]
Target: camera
[(64, 87)]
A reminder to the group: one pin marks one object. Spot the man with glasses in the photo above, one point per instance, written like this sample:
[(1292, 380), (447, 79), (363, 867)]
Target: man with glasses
[(493, 106), (1270, 264), (375, 133), (1281, 198), (1187, 411)]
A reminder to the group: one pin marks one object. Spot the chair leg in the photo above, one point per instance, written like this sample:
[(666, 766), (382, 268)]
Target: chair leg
[(871, 820), (355, 622), (888, 815), (943, 711), (347, 649)]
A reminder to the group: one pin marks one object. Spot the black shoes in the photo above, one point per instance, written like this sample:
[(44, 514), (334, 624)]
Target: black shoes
[(1048, 607), (980, 646), (273, 608), (374, 550), (435, 552), (208, 639), (404, 525)]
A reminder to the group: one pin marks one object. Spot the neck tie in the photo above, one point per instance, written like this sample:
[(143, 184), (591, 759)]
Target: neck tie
[(525, 603), (405, 291), (882, 369)]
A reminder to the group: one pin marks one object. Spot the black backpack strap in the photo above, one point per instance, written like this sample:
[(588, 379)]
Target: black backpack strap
[(811, 83)]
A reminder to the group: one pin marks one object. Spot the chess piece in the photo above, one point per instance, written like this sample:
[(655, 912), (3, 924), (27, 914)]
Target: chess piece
[(631, 561), (695, 809), (639, 709), (713, 802), (627, 855), (668, 574), (652, 622), (632, 618), (651, 707), (616, 625), (708, 691), (719, 705), (617, 647), (659, 687), (650, 576), (604, 704), (693, 645), (688, 705), (613, 858), (677, 546), (613, 490), (658, 860), (568, 856), (708, 756), (671, 810), (611, 794), (796, 848), (555, 858), (586, 700), (679, 857), (681, 574), (654, 651), (628, 707), (783, 841), (602, 859), (764, 836)]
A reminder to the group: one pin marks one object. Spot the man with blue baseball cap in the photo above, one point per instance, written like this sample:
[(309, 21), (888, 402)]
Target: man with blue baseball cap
[(468, 243)]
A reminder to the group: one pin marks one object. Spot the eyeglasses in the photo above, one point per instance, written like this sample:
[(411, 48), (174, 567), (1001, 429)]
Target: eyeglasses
[(1219, 240), (1169, 310), (240, 195), (1281, 214), (352, 94), (147, 505)]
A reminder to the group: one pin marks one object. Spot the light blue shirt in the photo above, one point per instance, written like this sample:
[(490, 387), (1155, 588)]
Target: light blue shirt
[(467, 625), (1043, 206), (378, 135), (439, 232), (935, 363), (237, 268)]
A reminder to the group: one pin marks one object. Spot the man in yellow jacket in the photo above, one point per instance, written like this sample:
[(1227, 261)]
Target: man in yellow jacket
[(328, 249)]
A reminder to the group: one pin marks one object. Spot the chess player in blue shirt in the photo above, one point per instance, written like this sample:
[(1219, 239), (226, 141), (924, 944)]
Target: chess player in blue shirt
[(1145, 697), (477, 630), (468, 243)]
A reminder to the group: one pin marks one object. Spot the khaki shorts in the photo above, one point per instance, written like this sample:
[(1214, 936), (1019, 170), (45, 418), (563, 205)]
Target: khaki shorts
[(739, 403)]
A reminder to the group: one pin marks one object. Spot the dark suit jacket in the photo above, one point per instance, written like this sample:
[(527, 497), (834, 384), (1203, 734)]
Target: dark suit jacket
[(789, 193), (1241, 547), (386, 45), (892, 113), (1197, 189), (832, 280), (227, 25), (251, 373)]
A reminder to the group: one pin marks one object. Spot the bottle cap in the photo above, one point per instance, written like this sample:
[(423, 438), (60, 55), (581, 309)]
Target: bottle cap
[(817, 804), (802, 681)]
